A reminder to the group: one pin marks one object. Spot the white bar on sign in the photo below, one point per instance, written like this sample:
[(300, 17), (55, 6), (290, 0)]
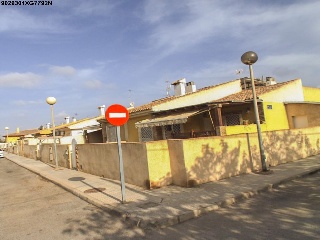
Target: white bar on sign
[(117, 115)]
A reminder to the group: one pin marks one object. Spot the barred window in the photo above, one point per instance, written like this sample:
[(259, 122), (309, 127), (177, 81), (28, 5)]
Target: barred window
[(232, 119), (146, 134), (171, 130), (176, 128)]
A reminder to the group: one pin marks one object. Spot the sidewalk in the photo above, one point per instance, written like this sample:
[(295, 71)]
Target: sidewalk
[(168, 205)]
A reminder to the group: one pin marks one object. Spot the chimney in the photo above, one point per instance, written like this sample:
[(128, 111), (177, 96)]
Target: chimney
[(74, 119), (18, 130), (131, 105), (48, 125), (67, 120), (190, 87), (179, 87), (270, 81), (101, 110)]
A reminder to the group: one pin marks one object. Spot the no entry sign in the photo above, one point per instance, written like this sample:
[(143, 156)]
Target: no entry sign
[(117, 115)]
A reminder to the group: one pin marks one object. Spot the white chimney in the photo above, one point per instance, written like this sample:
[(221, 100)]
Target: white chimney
[(74, 119), (179, 87), (131, 105), (101, 110), (190, 87), (48, 125), (270, 81), (67, 120), (18, 130)]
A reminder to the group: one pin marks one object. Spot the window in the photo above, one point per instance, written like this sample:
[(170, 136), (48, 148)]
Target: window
[(60, 133), (300, 121), (172, 130), (146, 134), (232, 119)]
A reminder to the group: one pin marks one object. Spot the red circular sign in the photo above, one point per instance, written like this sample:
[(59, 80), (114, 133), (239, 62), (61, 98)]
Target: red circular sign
[(117, 114)]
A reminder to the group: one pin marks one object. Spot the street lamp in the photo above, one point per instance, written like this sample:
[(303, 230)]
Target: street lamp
[(7, 129), (7, 141), (51, 101), (250, 58)]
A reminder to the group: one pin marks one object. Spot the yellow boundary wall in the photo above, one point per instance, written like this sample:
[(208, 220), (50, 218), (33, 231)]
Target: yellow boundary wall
[(186, 162)]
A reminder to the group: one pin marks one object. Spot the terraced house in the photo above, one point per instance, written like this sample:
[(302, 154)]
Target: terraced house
[(223, 109)]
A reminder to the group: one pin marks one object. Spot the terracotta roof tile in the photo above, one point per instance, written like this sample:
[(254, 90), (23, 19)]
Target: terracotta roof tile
[(24, 132), (247, 94), (149, 106)]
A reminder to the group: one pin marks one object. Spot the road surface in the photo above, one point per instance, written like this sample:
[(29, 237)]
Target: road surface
[(33, 208)]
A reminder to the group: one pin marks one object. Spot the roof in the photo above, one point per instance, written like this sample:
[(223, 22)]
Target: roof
[(23, 133), (45, 132), (48, 131), (247, 94), (66, 125), (304, 102), (149, 106)]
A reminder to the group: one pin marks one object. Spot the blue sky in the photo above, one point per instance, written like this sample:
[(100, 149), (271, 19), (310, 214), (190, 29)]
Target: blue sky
[(87, 53)]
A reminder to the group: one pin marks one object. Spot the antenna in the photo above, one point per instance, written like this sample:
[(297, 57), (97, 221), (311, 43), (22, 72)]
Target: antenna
[(239, 71), (168, 87), (242, 80), (131, 103)]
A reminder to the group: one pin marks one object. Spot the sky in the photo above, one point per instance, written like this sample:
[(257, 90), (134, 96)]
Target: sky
[(88, 53)]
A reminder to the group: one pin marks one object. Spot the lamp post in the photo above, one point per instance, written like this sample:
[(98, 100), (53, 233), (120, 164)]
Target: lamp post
[(51, 101), (7, 129), (7, 141), (249, 58)]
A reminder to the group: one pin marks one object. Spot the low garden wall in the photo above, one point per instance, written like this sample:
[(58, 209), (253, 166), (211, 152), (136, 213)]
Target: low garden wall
[(185, 162)]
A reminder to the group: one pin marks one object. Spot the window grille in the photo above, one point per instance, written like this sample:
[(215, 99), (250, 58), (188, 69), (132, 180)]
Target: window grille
[(176, 128), (171, 130), (260, 112), (146, 134), (232, 119)]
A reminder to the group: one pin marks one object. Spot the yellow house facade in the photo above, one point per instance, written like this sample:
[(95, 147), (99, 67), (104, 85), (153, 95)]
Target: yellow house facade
[(272, 111), (305, 113), (229, 112), (186, 96)]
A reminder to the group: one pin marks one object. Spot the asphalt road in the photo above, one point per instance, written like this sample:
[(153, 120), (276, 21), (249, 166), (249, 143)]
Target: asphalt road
[(33, 208), (291, 211)]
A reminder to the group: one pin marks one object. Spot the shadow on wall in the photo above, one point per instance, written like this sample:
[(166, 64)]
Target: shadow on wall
[(235, 155), (163, 181), (214, 165), (287, 146)]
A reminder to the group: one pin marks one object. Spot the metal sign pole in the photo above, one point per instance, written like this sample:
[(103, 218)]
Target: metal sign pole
[(123, 186), (73, 154)]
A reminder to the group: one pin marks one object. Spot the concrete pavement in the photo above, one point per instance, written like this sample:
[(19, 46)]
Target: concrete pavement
[(168, 205)]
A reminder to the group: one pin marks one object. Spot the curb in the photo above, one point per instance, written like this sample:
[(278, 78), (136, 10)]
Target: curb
[(166, 222)]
